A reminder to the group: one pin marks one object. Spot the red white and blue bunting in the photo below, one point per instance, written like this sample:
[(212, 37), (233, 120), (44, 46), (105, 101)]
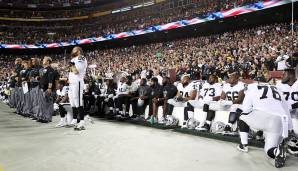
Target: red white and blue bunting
[(173, 25)]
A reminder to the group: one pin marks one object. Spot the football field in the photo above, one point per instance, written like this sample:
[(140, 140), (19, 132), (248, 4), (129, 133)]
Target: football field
[(26, 145)]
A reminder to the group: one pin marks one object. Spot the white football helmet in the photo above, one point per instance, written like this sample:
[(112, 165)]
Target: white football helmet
[(171, 121), (192, 123), (218, 127), (293, 146)]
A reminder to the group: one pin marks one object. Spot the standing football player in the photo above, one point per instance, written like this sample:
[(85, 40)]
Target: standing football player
[(78, 66)]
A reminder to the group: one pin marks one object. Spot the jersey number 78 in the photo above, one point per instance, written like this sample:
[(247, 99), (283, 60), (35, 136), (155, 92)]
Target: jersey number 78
[(275, 93)]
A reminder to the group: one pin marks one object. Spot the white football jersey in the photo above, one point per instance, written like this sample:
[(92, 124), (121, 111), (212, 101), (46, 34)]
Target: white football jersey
[(122, 88), (186, 91), (264, 97), (290, 93), (232, 93), (81, 65), (209, 91)]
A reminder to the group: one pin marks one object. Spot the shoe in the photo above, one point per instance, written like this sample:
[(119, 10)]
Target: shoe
[(118, 115), (148, 119), (134, 116), (80, 127), (89, 120), (184, 124), (205, 127), (124, 116), (280, 156), (243, 148), (153, 120), (162, 120), (61, 124), (73, 123)]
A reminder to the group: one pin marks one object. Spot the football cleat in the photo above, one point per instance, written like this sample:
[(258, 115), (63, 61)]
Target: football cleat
[(73, 123), (280, 156), (153, 120), (80, 126), (61, 123), (205, 127), (162, 121), (184, 124), (88, 119), (243, 148)]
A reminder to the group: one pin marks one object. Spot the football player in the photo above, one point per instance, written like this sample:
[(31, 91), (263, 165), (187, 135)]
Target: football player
[(186, 91), (141, 99), (169, 92), (271, 119), (210, 91), (62, 97), (232, 95), (289, 89), (122, 99), (156, 93), (78, 66)]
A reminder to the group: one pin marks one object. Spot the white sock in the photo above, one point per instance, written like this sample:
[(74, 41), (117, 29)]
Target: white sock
[(208, 122), (230, 124), (62, 119), (244, 138)]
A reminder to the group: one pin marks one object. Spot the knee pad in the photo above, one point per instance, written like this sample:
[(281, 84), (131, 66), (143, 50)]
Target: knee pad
[(190, 107), (205, 107), (210, 115), (233, 117), (243, 127)]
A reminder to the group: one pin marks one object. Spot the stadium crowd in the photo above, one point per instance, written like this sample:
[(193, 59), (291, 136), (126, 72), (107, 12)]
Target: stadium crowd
[(251, 51), (113, 23)]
